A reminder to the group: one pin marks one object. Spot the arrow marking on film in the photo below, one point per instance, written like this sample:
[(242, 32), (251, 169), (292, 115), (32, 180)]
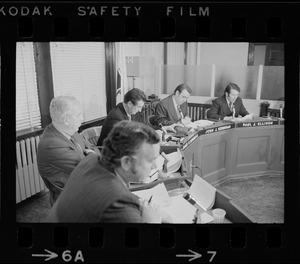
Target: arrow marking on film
[(194, 256), (51, 255)]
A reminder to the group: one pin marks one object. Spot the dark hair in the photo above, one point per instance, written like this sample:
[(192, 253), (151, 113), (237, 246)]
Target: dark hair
[(134, 95), (182, 87), (124, 140), (231, 86)]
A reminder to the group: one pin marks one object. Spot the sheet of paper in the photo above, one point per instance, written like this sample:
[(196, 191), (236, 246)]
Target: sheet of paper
[(159, 192), (180, 210), (246, 117), (200, 123)]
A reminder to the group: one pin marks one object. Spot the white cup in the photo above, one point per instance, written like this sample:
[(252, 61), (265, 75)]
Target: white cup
[(219, 215)]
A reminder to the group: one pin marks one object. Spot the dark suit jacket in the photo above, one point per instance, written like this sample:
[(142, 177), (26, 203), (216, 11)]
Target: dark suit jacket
[(57, 157), (220, 108), (165, 112), (94, 194), (115, 115)]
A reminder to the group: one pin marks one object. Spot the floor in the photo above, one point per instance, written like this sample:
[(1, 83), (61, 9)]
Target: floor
[(261, 197)]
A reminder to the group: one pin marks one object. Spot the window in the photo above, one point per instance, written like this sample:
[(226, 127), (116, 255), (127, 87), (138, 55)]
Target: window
[(27, 102), (78, 68)]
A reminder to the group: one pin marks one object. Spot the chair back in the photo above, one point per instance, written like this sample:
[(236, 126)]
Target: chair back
[(92, 134)]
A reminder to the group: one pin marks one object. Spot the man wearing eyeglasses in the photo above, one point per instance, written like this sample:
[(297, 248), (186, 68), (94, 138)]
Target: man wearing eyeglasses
[(229, 106), (133, 103), (98, 189), (174, 108)]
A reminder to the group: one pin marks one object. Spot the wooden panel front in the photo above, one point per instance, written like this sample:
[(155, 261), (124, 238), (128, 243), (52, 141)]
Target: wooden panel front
[(237, 152)]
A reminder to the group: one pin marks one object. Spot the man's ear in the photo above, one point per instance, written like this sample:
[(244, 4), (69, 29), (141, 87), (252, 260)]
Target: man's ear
[(67, 120), (130, 104), (126, 163)]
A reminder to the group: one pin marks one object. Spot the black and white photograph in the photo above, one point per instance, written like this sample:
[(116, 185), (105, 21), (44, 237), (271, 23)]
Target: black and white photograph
[(150, 132)]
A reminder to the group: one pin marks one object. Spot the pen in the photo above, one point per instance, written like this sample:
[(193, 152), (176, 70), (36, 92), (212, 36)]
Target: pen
[(150, 199)]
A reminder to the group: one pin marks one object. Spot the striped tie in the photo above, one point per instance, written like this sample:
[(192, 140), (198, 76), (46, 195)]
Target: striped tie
[(180, 115)]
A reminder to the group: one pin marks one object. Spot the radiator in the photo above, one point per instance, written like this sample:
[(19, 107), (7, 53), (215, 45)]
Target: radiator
[(28, 179)]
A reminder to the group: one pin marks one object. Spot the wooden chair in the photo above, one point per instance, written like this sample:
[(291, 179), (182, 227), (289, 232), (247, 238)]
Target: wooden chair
[(92, 134), (198, 111)]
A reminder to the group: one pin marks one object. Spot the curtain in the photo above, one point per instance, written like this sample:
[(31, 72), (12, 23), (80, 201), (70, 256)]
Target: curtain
[(79, 69), (27, 101), (122, 85)]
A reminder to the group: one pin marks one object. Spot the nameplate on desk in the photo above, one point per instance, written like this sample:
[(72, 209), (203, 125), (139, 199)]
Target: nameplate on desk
[(216, 129), (258, 123), (190, 141)]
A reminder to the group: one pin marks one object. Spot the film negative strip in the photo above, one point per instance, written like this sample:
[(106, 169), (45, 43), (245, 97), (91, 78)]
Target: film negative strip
[(189, 34)]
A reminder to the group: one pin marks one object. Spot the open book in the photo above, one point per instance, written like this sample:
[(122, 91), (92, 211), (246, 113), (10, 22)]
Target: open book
[(201, 194)]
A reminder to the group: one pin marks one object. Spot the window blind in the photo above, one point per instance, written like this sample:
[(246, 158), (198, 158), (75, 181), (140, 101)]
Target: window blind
[(27, 101), (78, 68)]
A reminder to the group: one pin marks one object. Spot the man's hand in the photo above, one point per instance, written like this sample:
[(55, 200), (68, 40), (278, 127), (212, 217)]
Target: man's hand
[(152, 213), (87, 151), (186, 120)]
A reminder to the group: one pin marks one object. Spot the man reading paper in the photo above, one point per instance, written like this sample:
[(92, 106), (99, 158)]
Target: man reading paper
[(229, 106)]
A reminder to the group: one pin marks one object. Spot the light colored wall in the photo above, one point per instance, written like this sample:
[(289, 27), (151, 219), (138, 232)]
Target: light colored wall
[(224, 53), (218, 54)]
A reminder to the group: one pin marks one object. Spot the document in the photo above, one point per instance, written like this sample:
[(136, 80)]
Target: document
[(202, 193), (159, 195), (179, 209), (200, 124), (245, 118)]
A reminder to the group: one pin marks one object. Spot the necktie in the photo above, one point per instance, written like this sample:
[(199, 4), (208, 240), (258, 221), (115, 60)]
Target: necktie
[(231, 106), (180, 115), (77, 146)]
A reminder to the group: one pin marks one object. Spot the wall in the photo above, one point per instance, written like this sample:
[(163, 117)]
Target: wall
[(231, 54), (224, 53)]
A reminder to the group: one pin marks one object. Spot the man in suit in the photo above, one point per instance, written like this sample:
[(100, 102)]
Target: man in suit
[(133, 103), (97, 190), (61, 148), (174, 108), (229, 106)]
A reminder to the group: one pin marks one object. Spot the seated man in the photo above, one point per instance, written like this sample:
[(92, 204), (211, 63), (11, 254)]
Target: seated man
[(174, 108), (228, 106), (133, 103), (61, 147), (97, 190)]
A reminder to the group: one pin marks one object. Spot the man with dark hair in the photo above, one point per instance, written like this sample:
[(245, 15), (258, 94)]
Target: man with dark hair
[(61, 147), (133, 103), (229, 106), (97, 190), (174, 108)]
